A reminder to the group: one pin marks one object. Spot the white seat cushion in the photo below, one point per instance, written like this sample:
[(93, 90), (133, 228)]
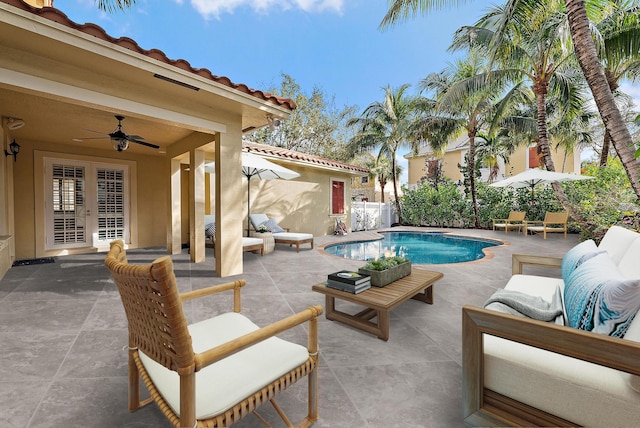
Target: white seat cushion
[(292, 236), (225, 383), (247, 242), (630, 262)]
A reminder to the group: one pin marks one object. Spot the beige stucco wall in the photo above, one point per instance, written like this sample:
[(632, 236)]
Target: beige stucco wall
[(149, 220), (518, 162), (301, 204)]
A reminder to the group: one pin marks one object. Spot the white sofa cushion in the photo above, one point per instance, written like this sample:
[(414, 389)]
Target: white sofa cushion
[(630, 262), (616, 242), (257, 219), (223, 384), (581, 392)]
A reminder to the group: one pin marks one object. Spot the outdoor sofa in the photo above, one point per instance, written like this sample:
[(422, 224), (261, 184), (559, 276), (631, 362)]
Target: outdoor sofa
[(525, 372)]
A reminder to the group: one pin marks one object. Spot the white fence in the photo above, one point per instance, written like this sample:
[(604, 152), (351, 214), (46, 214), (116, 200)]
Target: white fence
[(372, 215)]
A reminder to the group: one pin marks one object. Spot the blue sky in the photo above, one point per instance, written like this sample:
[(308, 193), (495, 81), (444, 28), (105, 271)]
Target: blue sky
[(332, 44)]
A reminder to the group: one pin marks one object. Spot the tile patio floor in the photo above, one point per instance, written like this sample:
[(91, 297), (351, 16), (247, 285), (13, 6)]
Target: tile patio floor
[(63, 329)]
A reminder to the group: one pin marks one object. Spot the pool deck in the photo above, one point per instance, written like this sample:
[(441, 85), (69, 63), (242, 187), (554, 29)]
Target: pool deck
[(63, 330)]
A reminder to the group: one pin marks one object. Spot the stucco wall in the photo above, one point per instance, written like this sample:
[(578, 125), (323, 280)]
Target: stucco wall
[(301, 204)]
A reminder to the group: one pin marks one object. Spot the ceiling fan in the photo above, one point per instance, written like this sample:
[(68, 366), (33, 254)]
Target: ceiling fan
[(119, 139)]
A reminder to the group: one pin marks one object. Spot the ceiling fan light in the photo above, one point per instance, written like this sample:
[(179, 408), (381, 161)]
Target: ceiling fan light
[(120, 144)]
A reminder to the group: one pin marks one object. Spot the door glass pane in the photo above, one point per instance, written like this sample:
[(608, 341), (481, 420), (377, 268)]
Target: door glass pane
[(111, 204), (69, 204)]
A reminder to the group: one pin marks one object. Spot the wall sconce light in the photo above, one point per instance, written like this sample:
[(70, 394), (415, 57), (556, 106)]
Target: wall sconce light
[(273, 122), (14, 123), (15, 149)]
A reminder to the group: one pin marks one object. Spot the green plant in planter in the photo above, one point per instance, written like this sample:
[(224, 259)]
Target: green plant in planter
[(384, 263), (262, 228), (385, 270)]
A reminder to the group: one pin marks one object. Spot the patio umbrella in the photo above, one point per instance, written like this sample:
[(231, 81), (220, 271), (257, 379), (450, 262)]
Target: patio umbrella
[(257, 167), (532, 177)]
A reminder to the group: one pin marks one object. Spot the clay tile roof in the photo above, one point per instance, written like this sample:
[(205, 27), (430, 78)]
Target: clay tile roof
[(279, 152), (58, 16)]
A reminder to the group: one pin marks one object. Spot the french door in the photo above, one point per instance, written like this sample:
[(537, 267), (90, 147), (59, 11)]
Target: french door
[(86, 203)]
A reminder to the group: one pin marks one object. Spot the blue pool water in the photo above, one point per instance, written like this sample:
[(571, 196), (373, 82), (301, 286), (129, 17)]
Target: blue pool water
[(419, 247)]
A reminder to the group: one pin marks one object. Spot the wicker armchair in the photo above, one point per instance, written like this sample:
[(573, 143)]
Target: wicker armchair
[(214, 372), (553, 222)]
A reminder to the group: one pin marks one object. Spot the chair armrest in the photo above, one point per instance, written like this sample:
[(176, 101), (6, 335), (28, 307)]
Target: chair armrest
[(500, 219), (518, 261), (533, 221), (224, 350), (235, 286)]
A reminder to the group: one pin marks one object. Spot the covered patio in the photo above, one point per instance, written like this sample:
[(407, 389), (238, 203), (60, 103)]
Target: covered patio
[(64, 361)]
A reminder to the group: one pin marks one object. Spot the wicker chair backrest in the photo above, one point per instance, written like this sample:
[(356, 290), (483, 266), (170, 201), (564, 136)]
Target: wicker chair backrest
[(157, 325)]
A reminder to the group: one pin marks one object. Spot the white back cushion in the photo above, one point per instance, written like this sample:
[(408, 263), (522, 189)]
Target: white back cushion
[(616, 242), (629, 265), (209, 218), (257, 219)]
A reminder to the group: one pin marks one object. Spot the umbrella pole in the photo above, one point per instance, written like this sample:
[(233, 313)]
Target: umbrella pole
[(248, 203)]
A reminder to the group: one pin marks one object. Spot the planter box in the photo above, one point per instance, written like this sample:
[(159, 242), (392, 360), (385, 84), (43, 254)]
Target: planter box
[(380, 278)]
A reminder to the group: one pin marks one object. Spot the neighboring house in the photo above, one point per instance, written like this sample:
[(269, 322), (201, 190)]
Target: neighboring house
[(426, 163), (367, 189), (69, 193)]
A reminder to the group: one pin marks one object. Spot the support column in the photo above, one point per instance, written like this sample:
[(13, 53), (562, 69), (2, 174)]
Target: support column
[(196, 205), (174, 222), (229, 202)]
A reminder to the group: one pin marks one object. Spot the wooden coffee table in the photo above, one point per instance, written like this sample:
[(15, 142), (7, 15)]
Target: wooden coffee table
[(379, 301)]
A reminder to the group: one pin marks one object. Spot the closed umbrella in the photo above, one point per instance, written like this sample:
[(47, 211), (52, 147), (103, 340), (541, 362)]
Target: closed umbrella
[(533, 177), (257, 167)]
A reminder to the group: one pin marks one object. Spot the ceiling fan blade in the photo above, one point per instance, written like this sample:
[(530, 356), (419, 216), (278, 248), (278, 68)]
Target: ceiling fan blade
[(97, 132), (90, 138), (144, 143)]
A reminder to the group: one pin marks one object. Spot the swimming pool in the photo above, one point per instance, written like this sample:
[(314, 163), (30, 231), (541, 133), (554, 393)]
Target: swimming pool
[(419, 247)]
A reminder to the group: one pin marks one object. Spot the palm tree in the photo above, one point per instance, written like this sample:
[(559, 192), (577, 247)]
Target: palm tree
[(465, 104), (579, 26), (113, 5), (387, 125), (618, 33), (380, 169)]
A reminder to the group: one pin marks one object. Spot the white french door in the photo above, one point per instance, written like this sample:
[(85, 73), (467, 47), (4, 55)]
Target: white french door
[(86, 203)]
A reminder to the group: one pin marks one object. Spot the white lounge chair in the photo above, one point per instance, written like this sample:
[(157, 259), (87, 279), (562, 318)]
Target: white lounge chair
[(281, 237)]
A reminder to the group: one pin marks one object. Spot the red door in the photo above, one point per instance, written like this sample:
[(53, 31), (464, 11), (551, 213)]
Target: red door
[(337, 197)]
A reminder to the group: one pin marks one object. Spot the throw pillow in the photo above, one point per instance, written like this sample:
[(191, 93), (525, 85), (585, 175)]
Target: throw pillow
[(578, 255), (598, 298), (272, 226), (210, 229)]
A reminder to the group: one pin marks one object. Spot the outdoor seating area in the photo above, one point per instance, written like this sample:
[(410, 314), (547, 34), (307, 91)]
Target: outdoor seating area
[(280, 235), (515, 221), (552, 223), (65, 338)]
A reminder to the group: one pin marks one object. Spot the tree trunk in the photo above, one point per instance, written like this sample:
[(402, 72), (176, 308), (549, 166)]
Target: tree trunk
[(395, 186), (382, 184), (594, 73), (471, 170), (540, 89), (604, 156)]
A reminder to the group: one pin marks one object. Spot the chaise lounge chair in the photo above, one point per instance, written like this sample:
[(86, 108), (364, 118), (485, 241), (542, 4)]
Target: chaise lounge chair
[(553, 222), (280, 235), (515, 221), (248, 244)]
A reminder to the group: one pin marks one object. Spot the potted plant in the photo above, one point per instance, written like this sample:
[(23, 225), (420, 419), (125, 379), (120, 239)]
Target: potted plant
[(385, 270), (262, 228)]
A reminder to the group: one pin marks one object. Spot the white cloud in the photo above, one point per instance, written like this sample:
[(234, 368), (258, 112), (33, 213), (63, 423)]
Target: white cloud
[(214, 8)]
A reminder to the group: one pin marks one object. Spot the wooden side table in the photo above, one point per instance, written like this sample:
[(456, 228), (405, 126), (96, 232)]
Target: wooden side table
[(267, 238)]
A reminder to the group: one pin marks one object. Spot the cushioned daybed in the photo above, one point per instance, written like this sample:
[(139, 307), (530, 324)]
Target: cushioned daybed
[(248, 244), (280, 235)]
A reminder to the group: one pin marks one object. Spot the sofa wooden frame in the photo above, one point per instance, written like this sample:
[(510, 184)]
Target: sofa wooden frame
[(483, 407)]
